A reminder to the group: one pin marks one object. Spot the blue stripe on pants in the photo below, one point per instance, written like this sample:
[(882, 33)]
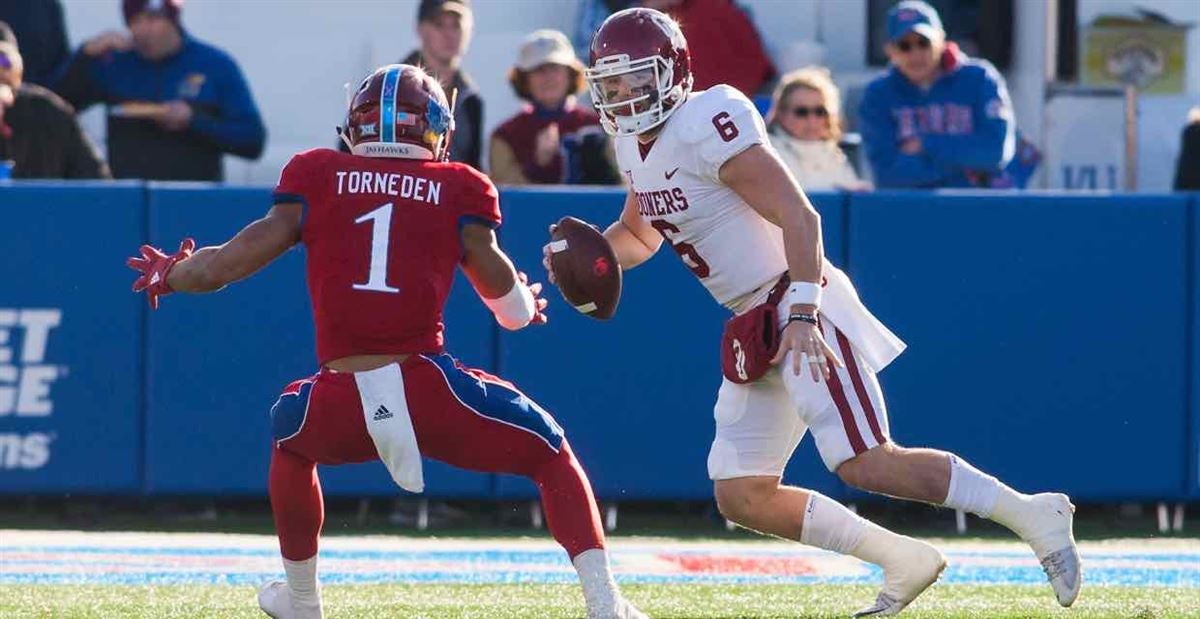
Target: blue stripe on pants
[(499, 402), (287, 415)]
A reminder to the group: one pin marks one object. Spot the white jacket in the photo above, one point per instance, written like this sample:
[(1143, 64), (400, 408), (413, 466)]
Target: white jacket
[(817, 165)]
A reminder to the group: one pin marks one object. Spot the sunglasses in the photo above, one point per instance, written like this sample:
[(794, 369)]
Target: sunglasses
[(802, 112), (907, 45), (5, 62)]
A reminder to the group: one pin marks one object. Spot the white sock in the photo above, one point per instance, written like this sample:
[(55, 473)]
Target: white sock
[(972, 490), (303, 585), (599, 589), (829, 525)]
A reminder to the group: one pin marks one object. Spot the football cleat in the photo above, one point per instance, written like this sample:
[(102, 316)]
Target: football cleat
[(622, 610), (1050, 532), (275, 599), (910, 568)]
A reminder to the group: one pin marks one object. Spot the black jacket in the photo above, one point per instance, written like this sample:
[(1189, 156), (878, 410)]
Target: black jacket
[(467, 146), (41, 35), (1187, 172), (45, 140)]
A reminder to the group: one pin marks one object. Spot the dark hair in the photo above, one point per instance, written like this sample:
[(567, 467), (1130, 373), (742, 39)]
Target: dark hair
[(519, 80)]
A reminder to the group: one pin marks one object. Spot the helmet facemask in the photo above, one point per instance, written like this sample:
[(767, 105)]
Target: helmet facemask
[(634, 96)]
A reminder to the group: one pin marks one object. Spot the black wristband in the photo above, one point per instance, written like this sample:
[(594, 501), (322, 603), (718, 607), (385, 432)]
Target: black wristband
[(796, 316)]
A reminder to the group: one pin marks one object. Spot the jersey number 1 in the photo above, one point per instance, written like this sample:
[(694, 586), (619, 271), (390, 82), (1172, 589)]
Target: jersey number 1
[(381, 226)]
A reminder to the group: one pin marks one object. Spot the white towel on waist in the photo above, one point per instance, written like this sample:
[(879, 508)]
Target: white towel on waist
[(386, 410)]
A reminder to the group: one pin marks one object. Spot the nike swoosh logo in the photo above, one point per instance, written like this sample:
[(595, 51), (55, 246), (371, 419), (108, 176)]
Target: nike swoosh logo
[(671, 173)]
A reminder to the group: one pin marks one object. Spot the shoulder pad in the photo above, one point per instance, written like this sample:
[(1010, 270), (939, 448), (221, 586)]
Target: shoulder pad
[(719, 124), (700, 110)]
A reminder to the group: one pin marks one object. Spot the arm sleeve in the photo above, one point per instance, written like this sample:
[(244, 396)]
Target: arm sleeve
[(478, 201), (992, 141), (891, 167), (503, 166), (237, 128), (295, 186), (294, 182), (77, 82), (55, 50), (726, 124), (473, 155)]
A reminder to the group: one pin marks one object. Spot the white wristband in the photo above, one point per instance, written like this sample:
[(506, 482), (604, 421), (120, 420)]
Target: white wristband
[(515, 309), (804, 293)]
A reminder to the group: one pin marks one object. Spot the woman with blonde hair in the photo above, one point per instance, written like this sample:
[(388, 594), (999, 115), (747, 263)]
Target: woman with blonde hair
[(805, 127)]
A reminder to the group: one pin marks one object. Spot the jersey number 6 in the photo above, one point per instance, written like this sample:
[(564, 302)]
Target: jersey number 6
[(687, 252), (725, 126)]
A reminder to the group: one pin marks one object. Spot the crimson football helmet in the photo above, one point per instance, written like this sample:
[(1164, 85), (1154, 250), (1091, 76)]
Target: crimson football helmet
[(399, 111), (639, 70)]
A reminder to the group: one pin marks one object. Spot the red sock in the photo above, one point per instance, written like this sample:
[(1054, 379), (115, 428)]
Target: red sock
[(296, 504), (571, 511)]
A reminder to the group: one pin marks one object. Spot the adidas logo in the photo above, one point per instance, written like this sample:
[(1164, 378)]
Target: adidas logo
[(382, 413)]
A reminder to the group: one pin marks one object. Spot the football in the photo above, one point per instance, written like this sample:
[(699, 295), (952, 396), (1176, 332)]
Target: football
[(586, 268)]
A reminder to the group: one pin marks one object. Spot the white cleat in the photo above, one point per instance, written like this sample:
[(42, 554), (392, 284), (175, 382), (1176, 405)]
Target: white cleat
[(275, 599), (1050, 532), (911, 567), (622, 610)]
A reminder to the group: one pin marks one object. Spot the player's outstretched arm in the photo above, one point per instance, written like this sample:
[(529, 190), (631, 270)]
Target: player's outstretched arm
[(632, 239), (213, 268), (761, 180), (513, 301)]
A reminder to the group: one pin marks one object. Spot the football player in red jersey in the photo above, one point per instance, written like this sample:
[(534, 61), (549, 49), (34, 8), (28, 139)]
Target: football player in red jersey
[(384, 228)]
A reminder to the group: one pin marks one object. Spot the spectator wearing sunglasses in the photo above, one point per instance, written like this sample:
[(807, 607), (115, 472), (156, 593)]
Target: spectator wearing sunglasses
[(805, 127), (936, 118)]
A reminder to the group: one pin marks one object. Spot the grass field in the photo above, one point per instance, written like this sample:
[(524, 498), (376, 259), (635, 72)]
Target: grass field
[(433, 601), (188, 575)]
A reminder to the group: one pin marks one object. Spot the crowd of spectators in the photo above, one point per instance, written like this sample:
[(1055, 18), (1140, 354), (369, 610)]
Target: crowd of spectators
[(935, 117)]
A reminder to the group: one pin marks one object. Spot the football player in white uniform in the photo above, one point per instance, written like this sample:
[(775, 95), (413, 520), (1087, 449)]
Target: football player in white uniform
[(704, 178)]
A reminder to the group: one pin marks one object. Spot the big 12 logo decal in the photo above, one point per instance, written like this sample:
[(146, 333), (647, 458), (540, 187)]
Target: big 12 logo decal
[(25, 383)]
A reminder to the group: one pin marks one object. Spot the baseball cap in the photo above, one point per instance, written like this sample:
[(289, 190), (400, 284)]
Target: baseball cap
[(546, 47), (430, 9), (913, 16)]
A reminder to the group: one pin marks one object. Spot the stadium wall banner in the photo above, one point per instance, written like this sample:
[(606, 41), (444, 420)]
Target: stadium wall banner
[(1008, 353), (70, 339), (1013, 349)]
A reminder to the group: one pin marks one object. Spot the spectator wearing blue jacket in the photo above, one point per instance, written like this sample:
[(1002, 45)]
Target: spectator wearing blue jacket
[(936, 118), (175, 104)]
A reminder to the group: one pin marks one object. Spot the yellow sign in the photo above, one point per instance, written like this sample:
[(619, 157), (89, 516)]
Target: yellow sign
[(1149, 55)]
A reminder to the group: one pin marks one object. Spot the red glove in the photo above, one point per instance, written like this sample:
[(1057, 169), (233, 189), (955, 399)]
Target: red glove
[(154, 267)]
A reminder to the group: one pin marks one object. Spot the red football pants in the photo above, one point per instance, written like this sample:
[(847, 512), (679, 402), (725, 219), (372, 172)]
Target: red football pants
[(463, 417)]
